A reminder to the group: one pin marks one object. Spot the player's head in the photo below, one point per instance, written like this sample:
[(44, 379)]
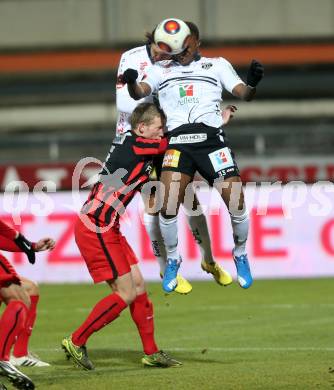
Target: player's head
[(191, 46), (148, 121)]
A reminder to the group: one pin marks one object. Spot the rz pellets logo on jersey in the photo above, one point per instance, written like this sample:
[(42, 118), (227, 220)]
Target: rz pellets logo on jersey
[(186, 92), (188, 138)]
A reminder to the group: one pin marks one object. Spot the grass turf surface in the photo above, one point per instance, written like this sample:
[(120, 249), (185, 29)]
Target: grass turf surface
[(276, 335)]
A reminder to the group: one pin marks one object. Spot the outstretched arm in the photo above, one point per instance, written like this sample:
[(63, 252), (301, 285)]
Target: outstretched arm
[(254, 76), (21, 244)]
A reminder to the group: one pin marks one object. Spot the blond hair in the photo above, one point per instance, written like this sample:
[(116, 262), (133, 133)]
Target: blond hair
[(145, 113)]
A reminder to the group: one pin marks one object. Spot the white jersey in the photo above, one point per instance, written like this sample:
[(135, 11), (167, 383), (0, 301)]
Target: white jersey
[(192, 93), (139, 59)]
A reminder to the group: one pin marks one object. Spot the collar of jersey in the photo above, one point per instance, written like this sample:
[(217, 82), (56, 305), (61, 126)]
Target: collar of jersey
[(197, 58)]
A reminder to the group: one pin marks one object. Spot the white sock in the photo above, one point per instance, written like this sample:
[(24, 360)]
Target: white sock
[(152, 226), (168, 228), (240, 226), (199, 229)]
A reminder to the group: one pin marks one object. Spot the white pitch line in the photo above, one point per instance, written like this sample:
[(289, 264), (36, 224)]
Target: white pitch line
[(213, 349)]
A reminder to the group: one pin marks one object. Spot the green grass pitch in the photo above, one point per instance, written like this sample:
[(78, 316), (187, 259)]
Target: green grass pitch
[(279, 334)]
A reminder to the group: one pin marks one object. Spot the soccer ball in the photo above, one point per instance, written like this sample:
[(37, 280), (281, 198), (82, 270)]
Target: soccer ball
[(170, 35)]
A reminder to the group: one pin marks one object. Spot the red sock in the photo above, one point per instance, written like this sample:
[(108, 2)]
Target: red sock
[(105, 311), (21, 344), (142, 314), (12, 322)]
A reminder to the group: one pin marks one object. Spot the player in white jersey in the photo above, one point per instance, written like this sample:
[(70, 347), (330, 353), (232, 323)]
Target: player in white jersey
[(140, 59), (190, 93)]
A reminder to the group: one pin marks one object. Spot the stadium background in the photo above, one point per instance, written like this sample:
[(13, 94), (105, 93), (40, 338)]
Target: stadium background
[(58, 62)]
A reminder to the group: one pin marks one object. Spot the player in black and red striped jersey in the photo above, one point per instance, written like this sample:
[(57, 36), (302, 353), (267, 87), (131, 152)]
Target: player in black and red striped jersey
[(106, 252), (18, 318)]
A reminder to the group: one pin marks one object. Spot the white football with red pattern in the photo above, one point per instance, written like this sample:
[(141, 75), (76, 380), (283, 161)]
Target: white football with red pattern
[(170, 35)]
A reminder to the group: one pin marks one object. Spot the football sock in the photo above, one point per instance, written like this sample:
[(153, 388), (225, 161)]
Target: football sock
[(199, 229), (21, 344), (12, 322), (152, 226), (168, 229), (142, 314), (105, 311), (240, 226)]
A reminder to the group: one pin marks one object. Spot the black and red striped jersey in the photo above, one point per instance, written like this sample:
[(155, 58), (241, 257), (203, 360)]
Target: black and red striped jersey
[(127, 167)]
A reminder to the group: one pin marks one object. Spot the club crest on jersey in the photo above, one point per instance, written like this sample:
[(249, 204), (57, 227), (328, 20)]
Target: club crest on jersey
[(171, 159), (221, 159), (206, 65)]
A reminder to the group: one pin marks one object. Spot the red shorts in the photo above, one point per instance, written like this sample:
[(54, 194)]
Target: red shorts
[(107, 255), (7, 273)]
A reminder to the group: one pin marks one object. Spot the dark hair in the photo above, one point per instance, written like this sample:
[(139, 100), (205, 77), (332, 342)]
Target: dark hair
[(193, 29), (145, 113), (150, 37)]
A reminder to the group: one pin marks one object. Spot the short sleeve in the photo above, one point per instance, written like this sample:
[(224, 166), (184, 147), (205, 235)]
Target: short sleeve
[(153, 77), (124, 103), (228, 76)]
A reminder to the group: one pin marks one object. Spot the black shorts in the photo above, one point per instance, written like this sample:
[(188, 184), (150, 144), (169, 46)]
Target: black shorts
[(198, 147)]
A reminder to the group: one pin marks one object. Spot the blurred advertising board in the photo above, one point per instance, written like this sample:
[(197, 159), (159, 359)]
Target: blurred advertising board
[(308, 170), (291, 233)]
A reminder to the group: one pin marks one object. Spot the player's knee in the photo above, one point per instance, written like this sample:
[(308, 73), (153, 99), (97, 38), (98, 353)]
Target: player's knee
[(167, 214), (18, 293), (31, 287), (130, 296), (140, 287)]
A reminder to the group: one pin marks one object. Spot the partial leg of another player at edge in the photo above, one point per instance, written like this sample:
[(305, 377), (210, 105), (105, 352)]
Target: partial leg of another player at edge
[(168, 223), (12, 322), (21, 356)]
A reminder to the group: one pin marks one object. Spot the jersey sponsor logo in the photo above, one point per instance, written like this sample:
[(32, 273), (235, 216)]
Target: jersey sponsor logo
[(207, 65), (171, 159), (188, 138), (186, 90), (221, 159)]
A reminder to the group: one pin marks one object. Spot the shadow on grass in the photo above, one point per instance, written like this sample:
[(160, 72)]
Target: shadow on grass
[(115, 363)]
